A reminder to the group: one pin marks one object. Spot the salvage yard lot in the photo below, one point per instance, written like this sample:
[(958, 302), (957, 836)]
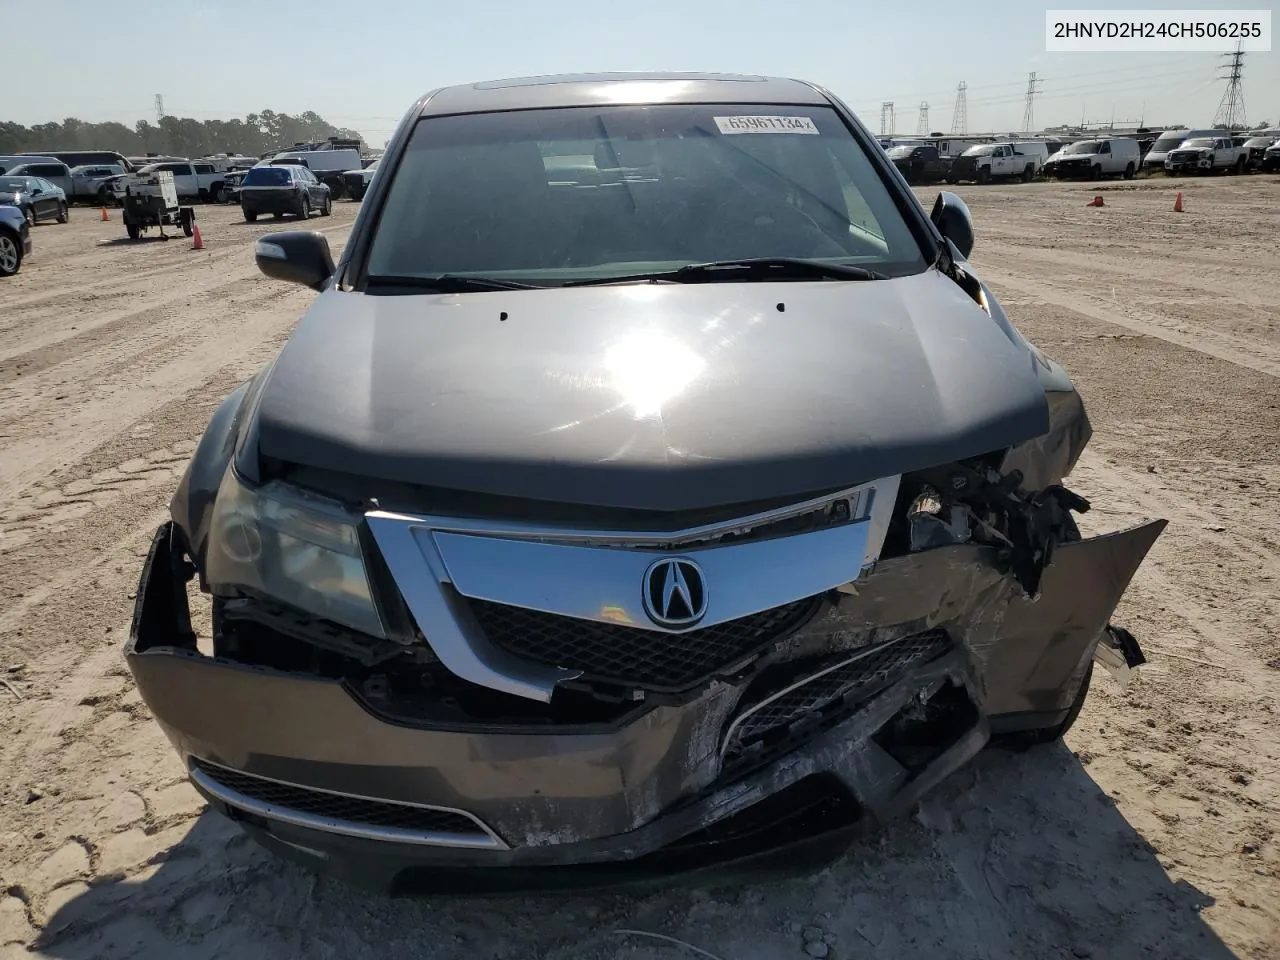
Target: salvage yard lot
[(1151, 836)]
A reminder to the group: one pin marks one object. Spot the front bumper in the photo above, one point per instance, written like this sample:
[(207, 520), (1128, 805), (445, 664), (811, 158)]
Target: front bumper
[(1181, 164), (1069, 169), (316, 773)]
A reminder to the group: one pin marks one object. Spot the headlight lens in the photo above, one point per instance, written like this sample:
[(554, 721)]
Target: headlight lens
[(297, 548)]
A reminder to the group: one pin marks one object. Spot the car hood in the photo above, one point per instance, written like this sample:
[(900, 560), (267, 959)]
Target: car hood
[(10, 197), (649, 396)]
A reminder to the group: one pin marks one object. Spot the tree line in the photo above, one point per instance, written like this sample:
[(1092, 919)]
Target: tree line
[(256, 134)]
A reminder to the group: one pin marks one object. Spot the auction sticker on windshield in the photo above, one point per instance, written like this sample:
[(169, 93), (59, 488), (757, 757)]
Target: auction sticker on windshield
[(757, 124)]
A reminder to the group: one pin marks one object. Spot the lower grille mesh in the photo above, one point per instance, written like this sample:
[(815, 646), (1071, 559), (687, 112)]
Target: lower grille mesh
[(633, 656), (376, 813), (837, 691)]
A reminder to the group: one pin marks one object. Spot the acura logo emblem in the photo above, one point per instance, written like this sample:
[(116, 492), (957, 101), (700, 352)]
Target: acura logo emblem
[(675, 594)]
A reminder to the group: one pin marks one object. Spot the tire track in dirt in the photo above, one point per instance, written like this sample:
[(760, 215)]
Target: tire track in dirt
[(50, 541), (75, 311), (72, 426), (1214, 343), (1162, 282), (38, 370)]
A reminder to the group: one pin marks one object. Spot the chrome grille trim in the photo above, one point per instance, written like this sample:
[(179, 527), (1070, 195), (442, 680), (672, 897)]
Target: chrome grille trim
[(482, 839), (596, 574)]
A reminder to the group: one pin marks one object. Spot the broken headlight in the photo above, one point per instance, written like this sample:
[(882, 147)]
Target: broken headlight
[(279, 542)]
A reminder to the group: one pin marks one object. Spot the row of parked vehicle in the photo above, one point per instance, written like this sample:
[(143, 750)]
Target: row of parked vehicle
[(956, 160)]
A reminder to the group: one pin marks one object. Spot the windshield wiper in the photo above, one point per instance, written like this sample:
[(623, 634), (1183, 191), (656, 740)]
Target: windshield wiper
[(758, 268), (451, 283)]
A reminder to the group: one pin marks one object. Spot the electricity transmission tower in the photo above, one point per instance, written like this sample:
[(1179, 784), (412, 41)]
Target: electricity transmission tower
[(959, 113), (1028, 113), (888, 123), (922, 124), (159, 108), (1231, 110)]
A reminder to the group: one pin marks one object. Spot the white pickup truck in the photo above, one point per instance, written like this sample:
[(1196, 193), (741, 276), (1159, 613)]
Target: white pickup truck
[(1207, 155), (194, 181)]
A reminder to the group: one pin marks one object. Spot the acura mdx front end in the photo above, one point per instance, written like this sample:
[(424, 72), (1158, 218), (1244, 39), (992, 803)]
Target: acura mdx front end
[(652, 486)]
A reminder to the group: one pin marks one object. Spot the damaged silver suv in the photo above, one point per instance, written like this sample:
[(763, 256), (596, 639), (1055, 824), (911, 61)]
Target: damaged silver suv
[(653, 486)]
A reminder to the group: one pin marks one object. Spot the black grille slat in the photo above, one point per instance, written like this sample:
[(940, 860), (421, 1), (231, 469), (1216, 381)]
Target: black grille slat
[(634, 656), (374, 813), (847, 685)]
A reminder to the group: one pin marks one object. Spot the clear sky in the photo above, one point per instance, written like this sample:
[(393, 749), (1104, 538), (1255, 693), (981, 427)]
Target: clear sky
[(361, 64)]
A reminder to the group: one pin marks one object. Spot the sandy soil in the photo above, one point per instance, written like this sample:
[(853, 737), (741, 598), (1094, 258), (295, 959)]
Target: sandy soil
[(1150, 834)]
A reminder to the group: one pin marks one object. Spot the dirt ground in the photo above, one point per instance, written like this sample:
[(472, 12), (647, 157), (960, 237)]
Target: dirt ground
[(1150, 834)]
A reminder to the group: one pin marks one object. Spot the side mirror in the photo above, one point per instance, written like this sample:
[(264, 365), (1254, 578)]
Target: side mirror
[(295, 256), (951, 217), (36, 191)]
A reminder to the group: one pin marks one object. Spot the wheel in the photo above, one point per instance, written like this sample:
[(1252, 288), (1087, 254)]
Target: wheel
[(1096, 172), (337, 190), (1240, 166), (105, 199), (984, 175), (327, 208), (215, 195), (1027, 174), (10, 254), (187, 228), (133, 230), (304, 209), (250, 216), (1128, 172), (30, 214), (64, 213), (277, 216)]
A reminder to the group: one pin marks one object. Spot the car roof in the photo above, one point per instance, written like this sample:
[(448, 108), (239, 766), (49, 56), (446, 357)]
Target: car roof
[(591, 89)]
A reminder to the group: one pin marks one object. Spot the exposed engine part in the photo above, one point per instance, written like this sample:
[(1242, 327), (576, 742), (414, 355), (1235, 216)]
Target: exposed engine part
[(973, 501), (930, 524)]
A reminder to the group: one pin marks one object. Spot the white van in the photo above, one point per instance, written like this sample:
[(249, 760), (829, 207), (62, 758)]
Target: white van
[(327, 165), (1171, 140), (1095, 159)]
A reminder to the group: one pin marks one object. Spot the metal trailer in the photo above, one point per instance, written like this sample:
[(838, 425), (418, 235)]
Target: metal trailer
[(151, 200)]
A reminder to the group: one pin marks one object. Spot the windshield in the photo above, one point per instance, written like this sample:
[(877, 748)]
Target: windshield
[(1165, 144), (14, 184), (268, 177), (1084, 146), (555, 195), (979, 151), (1199, 142)]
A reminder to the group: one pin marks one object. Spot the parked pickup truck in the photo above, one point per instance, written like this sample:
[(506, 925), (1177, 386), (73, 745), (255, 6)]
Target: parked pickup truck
[(920, 164), (91, 183), (1255, 149), (194, 181), (992, 161), (1271, 158), (1207, 155)]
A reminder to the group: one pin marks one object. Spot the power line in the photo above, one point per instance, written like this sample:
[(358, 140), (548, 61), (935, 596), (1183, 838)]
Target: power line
[(159, 109), (1231, 110), (960, 112)]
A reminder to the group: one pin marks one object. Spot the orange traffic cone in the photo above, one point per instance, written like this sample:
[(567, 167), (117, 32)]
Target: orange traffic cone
[(105, 218), (1096, 202), (1177, 203), (196, 243)]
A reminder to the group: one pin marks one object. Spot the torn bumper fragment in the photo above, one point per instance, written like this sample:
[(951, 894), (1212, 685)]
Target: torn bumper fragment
[(392, 771)]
